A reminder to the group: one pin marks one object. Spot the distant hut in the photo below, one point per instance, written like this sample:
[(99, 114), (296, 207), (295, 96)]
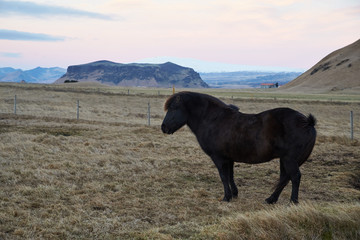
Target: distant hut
[(23, 81), (269, 85)]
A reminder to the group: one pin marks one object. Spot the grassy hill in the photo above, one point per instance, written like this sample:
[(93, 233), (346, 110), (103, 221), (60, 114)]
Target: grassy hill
[(338, 72)]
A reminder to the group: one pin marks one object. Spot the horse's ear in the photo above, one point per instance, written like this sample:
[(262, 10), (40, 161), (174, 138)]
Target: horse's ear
[(178, 99)]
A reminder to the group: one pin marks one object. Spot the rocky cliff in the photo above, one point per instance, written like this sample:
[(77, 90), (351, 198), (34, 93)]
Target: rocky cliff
[(134, 74)]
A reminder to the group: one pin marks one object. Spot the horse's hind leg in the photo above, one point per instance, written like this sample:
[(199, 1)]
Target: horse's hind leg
[(292, 170), (283, 181), (234, 189)]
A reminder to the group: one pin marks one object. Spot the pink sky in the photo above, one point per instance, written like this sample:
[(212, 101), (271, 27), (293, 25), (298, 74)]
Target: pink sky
[(284, 33)]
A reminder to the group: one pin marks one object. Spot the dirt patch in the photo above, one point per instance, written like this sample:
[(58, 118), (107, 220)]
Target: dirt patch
[(322, 67)]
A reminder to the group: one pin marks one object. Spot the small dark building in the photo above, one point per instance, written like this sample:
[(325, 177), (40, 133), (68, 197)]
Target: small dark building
[(269, 85)]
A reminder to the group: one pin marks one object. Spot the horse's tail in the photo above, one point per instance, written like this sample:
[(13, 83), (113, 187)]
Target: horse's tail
[(311, 122)]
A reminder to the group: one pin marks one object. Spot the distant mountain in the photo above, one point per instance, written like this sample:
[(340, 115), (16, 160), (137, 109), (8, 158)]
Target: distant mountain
[(6, 70), (134, 74), (192, 73), (247, 79), (338, 71), (36, 75)]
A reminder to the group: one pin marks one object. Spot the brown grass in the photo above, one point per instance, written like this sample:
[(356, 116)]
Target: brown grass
[(304, 221), (109, 176)]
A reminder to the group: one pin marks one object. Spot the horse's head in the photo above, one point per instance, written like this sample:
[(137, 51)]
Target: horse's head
[(176, 115)]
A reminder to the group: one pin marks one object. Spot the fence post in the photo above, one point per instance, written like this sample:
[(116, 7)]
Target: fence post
[(15, 104), (351, 125), (148, 113), (77, 110)]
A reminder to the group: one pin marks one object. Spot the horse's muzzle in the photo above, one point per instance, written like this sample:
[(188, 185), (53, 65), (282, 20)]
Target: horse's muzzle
[(165, 129)]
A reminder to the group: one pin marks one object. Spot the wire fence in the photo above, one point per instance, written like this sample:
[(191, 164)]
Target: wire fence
[(109, 109), (336, 120)]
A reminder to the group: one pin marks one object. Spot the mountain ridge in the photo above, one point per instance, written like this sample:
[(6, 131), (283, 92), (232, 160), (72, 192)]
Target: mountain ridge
[(133, 74)]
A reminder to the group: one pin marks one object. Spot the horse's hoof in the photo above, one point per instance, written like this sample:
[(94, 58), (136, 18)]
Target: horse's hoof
[(225, 199), (270, 201)]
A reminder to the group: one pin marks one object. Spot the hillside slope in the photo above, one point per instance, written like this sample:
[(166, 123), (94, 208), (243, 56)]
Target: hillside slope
[(338, 71), (135, 74)]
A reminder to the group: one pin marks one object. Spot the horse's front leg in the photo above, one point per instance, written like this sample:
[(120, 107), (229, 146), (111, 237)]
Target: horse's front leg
[(224, 172)]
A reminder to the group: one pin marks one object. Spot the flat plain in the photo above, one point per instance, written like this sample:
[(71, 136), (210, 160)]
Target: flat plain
[(108, 175)]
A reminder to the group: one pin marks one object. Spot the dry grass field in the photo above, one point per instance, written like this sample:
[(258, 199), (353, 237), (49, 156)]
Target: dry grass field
[(110, 176)]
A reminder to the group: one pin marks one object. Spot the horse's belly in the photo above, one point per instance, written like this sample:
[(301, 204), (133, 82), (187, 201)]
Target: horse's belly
[(253, 159)]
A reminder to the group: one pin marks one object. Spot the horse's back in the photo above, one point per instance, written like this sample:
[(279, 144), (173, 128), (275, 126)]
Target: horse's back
[(292, 131), (272, 134)]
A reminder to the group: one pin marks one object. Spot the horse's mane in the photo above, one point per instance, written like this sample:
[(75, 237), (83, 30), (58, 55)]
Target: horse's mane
[(170, 100), (188, 95)]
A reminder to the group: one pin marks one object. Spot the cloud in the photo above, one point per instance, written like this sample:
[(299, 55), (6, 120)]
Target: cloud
[(10, 54), (42, 10), (27, 36)]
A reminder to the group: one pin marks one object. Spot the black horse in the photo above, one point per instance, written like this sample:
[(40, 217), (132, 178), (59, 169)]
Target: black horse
[(229, 136)]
